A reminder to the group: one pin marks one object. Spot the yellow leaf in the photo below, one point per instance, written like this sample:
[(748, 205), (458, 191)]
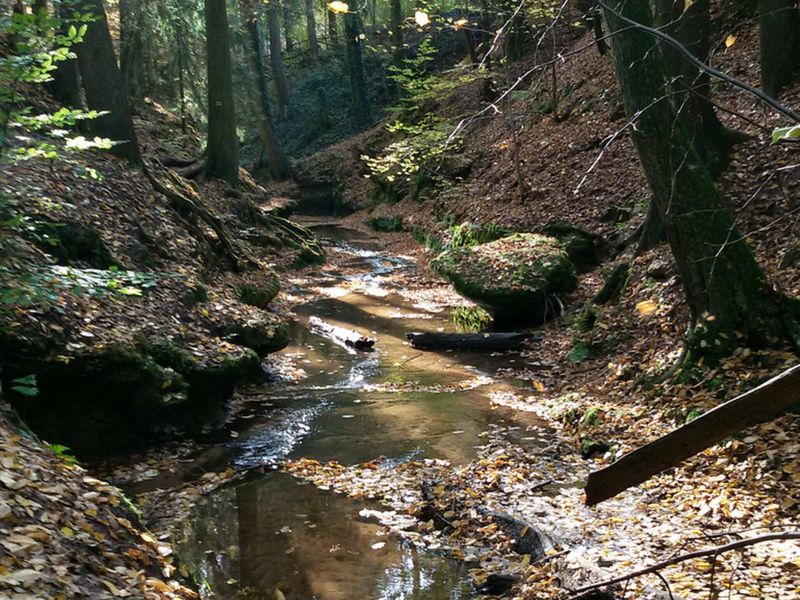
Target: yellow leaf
[(687, 5), (338, 7), (730, 41), (421, 18), (646, 307), (460, 23), (67, 531), (538, 385)]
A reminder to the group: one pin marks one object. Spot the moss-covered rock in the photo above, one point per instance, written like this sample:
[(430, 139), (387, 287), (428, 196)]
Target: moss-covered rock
[(211, 377), (262, 334), (260, 293), (100, 400), (515, 278), (70, 243)]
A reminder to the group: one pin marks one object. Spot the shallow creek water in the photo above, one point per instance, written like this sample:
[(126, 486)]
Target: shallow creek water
[(275, 533)]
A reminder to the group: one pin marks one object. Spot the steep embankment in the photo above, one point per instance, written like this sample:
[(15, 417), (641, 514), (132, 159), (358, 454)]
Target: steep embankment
[(136, 313)]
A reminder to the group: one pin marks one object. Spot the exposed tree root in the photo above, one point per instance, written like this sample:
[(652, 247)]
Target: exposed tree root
[(184, 205)]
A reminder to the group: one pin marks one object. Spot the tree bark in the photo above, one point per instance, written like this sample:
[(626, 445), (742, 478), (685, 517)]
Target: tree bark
[(104, 89), (397, 32), (690, 24), (311, 31), (278, 163), (779, 23), (276, 61), (727, 293), (287, 27), (355, 65), (131, 48), (333, 34), (223, 145)]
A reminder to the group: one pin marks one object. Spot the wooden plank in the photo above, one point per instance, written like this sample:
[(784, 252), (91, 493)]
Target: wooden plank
[(348, 337), (472, 342), (751, 408)]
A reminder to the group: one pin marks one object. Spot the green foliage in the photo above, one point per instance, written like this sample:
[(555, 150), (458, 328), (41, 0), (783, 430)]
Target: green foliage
[(40, 42), (409, 165), (470, 319), (44, 287), (579, 352), (786, 134), (63, 453), (386, 224), (25, 386), (475, 234)]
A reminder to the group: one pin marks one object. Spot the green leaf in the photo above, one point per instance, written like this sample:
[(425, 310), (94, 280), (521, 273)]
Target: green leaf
[(785, 133), (25, 386), (579, 352), (130, 291)]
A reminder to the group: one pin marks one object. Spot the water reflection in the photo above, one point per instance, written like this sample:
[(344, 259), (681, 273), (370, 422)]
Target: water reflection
[(277, 534)]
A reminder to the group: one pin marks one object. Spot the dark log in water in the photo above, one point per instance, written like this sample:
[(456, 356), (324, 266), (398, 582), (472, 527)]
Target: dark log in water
[(472, 342)]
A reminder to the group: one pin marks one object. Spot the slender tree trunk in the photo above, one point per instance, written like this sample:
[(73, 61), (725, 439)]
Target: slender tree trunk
[(397, 32), (180, 41), (333, 34), (278, 75), (779, 22), (690, 24), (223, 146), (355, 65), (278, 163), (727, 293), (287, 26), (311, 31), (103, 87), (131, 48)]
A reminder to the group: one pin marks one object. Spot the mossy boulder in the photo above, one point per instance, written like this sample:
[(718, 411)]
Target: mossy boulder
[(260, 293), (100, 400), (262, 334), (71, 242), (515, 278), (211, 377)]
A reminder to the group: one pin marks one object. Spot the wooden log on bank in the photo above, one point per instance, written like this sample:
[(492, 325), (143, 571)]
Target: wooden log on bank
[(751, 408), (472, 342), (348, 337)]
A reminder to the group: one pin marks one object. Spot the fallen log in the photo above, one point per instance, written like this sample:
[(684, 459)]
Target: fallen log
[(472, 342), (751, 408), (348, 337)]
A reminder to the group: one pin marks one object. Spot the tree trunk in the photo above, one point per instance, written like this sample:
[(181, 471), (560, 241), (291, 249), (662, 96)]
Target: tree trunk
[(131, 48), (287, 27), (779, 22), (311, 31), (180, 41), (223, 145), (397, 31), (355, 65), (690, 24), (104, 89), (727, 293), (276, 61), (278, 163), (333, 34)]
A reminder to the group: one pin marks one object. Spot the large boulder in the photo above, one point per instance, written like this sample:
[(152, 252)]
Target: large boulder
[(515, 278)]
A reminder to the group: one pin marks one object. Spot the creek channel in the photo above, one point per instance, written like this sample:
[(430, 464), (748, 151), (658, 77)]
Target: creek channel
[(329, 402)]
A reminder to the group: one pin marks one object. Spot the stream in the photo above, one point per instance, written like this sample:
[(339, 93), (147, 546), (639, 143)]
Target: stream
[(273, 536)]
